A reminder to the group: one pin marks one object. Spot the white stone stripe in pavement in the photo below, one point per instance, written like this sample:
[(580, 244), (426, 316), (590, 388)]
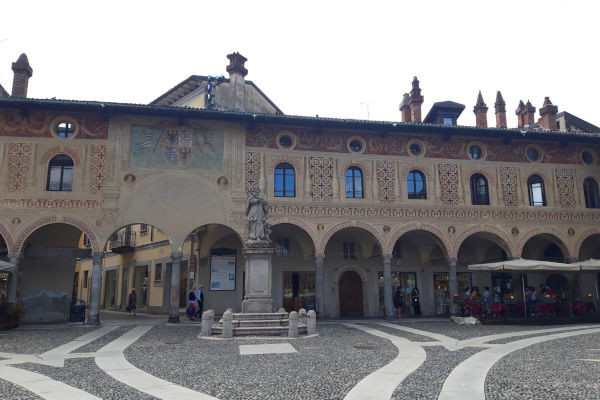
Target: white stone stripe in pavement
[(446, 341), (42, 385), (111, 360), (382, 383), (467, 380)]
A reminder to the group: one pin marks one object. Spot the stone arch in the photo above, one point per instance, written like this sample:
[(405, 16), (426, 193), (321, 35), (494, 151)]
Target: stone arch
[(354, 163), (295, 162), (53, 151), (7, 239), (106, 237), (581, 238), (564, 241), (419, 227), (406, 168), (300, 224), (487, 172), (209, 244), (546, 176), (462, 236), (52, 219), (353, 268), (320, 249)]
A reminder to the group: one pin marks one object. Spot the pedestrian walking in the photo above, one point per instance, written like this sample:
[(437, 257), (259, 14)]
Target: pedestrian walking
[(132, 302), (416, 301), (191, 308), (398, 302), (200, 300)]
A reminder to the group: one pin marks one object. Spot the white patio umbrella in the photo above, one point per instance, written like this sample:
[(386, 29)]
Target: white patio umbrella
[(591, 265), (524, 265), (6, 266)]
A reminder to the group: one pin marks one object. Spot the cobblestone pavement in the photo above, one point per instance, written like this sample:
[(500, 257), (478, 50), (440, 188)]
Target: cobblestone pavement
[(326, 366)]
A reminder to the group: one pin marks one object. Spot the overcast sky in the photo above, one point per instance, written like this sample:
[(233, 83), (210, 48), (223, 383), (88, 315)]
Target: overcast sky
[(340, 59)]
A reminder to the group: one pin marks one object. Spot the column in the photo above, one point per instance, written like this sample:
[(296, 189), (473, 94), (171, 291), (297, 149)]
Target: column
[(13, 281), (319, 285), (174, 294), (452, 283), (387, 285), (94, 314)]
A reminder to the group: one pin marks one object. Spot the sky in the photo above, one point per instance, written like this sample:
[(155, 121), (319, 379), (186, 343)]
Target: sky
[(341, 59)]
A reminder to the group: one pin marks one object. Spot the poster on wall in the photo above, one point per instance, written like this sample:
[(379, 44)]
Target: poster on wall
[(222, 273)]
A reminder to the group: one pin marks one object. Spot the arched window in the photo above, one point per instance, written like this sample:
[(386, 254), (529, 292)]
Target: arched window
[(415, 181), (285, 182), (60, 174), (590, 192), (354, 183), (480, 194), (537, 194)]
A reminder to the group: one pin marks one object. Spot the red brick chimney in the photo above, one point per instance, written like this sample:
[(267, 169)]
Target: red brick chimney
[(500, 107), (529, 114), (415, 102), (480, 111), (404, 108), (22, 73), (548, 115), (236, 64), (520, 114)]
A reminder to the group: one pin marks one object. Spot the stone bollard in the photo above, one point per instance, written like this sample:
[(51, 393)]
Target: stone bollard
[(208, 317), (293, 326), (302, 316), (282, 311), (230, 310), (228, 324), (311, 326)]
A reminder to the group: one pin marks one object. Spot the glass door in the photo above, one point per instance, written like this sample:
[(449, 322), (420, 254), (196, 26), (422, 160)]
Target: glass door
[(406, 281), (110, 289), (298, 291), (124, 287)]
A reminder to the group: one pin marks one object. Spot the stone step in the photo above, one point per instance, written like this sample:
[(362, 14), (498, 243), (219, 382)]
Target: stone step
[(260, 322), (261, 316), (259, 330)]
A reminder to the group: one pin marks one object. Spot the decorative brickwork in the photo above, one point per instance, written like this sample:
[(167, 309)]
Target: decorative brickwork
[(98, 166), (7, 239), (58, 150), (449, 183), (50, 203), (566, 187), (19, 156), (418, 227), (385, 179), (25, 234), (470, 213), (38, 124), (300, 224), (321, 176), (350, 224), (84, 228), (253, 162), (508, 180), (562, 239), (509, 245)]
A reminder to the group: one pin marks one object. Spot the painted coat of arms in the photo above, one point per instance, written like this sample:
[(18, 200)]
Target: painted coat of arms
[(176, 148)]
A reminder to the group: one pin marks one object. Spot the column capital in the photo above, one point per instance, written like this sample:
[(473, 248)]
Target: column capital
[(387, 257), (18, 256), (451, 262), (571, 260), (176, 256), (97, 257), (319, 257)]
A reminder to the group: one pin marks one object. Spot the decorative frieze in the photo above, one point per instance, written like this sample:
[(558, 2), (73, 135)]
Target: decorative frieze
[(449, 183), (321, 175), (566, 187), (39, 124), (50, 203), (19, 157), (385, 179), (508, 180)]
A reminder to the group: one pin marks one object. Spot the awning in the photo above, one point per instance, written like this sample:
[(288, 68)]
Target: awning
[(525, 265), (588, 265), (6, 266)]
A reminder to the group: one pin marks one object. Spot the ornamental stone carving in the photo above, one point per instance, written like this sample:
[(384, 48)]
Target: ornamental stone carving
[(19, 157), (566, 187), (253, 164), (385, 179), (321, 176), (508, 181)]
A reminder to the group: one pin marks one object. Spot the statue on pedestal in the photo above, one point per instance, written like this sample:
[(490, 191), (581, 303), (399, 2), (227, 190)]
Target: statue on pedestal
[(256, 213)]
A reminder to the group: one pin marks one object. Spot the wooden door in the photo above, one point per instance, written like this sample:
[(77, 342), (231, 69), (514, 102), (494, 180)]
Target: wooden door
[(351, 297)]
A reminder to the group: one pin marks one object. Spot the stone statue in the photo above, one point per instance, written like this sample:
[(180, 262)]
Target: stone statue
[(256, 213)]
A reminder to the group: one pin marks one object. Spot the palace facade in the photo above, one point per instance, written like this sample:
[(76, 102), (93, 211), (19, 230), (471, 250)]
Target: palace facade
[(99, 198)]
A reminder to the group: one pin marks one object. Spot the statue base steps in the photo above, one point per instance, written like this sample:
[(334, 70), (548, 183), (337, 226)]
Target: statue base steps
[(259, 324)]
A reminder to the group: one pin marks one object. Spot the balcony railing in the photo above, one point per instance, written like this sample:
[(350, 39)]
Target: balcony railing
[(123, 241)]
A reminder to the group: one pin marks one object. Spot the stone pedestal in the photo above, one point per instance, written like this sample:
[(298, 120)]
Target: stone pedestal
[(258, 282)]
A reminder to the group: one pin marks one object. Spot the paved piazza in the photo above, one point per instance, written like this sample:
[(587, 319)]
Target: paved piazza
[(143, 358)]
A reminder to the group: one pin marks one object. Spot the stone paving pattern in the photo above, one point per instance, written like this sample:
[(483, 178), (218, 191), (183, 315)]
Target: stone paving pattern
[(549, 370), (326, 366)]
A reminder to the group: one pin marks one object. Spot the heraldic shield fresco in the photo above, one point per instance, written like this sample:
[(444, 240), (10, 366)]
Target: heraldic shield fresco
[(176, 147)]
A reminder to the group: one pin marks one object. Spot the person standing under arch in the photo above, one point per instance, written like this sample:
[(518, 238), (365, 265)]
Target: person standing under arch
[(416, 301)]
